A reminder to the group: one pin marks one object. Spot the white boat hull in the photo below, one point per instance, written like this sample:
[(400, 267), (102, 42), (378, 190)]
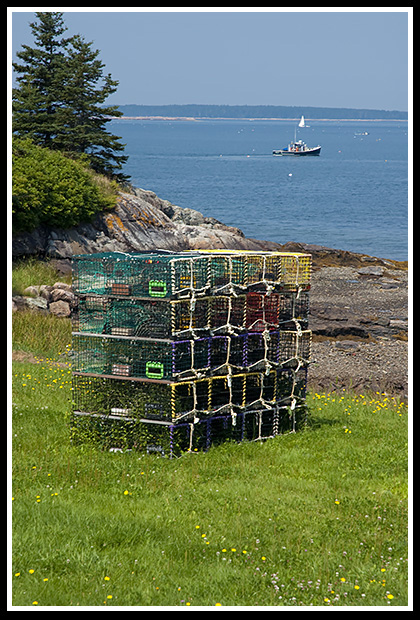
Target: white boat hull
[(299, 153)]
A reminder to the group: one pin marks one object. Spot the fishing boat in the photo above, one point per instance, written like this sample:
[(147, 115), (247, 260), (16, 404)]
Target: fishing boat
[(298, 147)]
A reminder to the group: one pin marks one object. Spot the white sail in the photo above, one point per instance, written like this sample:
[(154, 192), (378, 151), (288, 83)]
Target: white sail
[(302, 122)]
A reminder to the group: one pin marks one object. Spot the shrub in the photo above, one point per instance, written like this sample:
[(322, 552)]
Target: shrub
[(50, 188)]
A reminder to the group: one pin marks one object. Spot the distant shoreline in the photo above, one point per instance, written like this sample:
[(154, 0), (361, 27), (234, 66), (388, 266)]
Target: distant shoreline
[(198, 111), (220, 118)]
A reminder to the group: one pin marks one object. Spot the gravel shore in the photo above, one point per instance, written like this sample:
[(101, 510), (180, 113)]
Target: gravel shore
[(359, 320)]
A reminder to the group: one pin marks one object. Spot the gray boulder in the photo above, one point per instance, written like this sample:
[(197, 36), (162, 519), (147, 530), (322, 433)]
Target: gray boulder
[(60, 308), (139, 222)]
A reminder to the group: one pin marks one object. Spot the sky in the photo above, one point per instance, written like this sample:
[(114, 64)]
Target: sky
[(355, 57)]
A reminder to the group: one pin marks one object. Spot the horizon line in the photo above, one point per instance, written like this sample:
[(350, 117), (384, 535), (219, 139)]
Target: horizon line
[(258, 105)]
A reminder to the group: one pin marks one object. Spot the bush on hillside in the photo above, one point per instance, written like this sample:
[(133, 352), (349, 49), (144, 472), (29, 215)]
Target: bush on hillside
[(50, 188)]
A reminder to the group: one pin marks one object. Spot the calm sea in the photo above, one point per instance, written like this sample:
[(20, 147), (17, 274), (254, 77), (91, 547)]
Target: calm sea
[(354, 196)]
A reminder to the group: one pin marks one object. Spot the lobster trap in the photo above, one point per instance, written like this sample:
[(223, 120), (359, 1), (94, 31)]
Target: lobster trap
[(163, 340), (266, 270), (160, 318), (172, 360), (191, 317), (190, 400), (175, 274), (172, 440)]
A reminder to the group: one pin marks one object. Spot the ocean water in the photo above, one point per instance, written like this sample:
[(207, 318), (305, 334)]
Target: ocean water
[(354, 196)]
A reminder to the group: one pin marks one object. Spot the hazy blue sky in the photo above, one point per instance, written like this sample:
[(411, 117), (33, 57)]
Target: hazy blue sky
[(347, 57)]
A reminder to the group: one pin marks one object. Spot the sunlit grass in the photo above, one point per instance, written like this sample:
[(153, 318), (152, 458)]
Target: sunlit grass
[(42, 335), (32, 271), (316, 518)]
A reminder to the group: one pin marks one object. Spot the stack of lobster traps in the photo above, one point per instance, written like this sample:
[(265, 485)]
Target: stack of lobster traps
[(177, 351)]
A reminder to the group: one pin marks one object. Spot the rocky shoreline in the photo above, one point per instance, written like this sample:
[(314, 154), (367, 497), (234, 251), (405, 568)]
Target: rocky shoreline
[(359, 303), (359, 319)]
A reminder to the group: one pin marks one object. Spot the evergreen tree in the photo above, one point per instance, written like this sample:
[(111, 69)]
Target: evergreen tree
[(83, 117), (58, 101), (38, 98)]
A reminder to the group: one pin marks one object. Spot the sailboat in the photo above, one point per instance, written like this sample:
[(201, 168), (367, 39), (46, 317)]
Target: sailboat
[(302, 122), (298, 147)]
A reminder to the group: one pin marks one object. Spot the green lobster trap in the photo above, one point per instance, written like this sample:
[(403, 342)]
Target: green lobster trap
[(172, 440), (181, 318), (186, 400), (160, 318), (167, 275), (184, 359), (155, 275)]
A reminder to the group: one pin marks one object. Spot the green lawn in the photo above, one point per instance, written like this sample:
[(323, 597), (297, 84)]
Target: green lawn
[(317, 518)]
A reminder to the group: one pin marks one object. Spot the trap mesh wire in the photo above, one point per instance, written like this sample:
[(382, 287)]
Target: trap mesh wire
[(168, 339), (187, 400), (172, 440), (183, 359), (191, 317), (174, 274)]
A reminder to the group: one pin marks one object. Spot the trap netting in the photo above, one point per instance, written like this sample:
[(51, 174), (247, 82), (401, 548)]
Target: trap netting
[(173, 439), (192, 317), (188, 359), (165, 339), (161, 275), (190, 400)]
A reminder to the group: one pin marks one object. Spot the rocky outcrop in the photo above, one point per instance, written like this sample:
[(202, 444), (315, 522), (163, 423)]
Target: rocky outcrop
[(359, 303), (143, 221), (323, 256), (140, 221)]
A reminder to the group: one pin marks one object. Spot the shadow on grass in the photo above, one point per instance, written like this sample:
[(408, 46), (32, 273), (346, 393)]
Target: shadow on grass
[(315, 422)]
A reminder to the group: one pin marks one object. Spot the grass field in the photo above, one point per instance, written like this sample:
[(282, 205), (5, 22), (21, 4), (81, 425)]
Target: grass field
[(315, 518)]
